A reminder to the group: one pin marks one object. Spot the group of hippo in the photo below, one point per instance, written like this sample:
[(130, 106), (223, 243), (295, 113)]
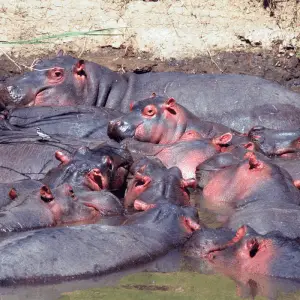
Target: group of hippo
[(80, 143)]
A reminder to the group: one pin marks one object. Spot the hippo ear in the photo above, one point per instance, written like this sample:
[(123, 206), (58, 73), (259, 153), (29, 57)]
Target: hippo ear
[(189, 224), (106, 160), (63, 158), (142, 179), (12, 194), (141, 205), (170, 106), (131, 106), (224, 139), (153, 95), (60, 53), (46, 194), (254, 163), (79, 68), (297, 184)]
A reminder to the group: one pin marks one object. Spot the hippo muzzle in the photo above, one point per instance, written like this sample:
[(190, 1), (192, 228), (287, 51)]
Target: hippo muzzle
[(119, 129)]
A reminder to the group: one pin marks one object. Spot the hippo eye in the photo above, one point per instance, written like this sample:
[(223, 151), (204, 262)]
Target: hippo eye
[(149, 110)]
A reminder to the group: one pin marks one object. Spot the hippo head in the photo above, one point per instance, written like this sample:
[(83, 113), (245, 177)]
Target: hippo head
[(249, 180), (62, 80), (152, 182), (155, 120), (178, 221), (275, 142), (251, 253), (69, 207), (97, 169)]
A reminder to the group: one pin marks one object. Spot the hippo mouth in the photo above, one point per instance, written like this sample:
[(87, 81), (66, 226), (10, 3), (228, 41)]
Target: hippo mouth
[(253, 246), (95, 180), (95, 210)]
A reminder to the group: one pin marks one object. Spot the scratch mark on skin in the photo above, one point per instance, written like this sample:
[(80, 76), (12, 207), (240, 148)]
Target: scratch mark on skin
[(259, 118), (166, 87), (275, 107)]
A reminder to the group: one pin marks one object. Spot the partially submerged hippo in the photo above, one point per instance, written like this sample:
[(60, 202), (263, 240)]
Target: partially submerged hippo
[(238, 101), (247, 252), (152, 182), (103, 167), (45, 207), (54, 254), (248, 181)]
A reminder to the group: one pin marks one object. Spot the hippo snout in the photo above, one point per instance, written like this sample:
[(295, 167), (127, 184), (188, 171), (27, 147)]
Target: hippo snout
[(119, 129)]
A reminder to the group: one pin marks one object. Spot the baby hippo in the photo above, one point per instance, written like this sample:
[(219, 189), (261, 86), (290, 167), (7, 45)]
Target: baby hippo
[(161, 120), (45, 208)]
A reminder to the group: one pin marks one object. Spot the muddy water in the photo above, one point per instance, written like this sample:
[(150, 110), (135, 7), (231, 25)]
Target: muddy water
[(173, 276), (170, 277)]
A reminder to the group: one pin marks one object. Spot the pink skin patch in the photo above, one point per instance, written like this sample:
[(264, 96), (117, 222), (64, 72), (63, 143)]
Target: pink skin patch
[(142, 206), (224, 190), (186, 161)]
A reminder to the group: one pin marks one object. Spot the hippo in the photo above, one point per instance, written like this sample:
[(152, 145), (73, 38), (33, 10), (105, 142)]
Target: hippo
[(45, 208), (55, 254), (161, 120), (152, 182), (235, 154), (237, 101), (249, 252), (27, 156), (273, 142), (252, 180), (78, 121), (186, 154), (102, 168)]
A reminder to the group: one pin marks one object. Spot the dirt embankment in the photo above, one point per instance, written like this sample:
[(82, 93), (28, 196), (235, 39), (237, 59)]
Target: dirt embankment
[(259, 37)]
